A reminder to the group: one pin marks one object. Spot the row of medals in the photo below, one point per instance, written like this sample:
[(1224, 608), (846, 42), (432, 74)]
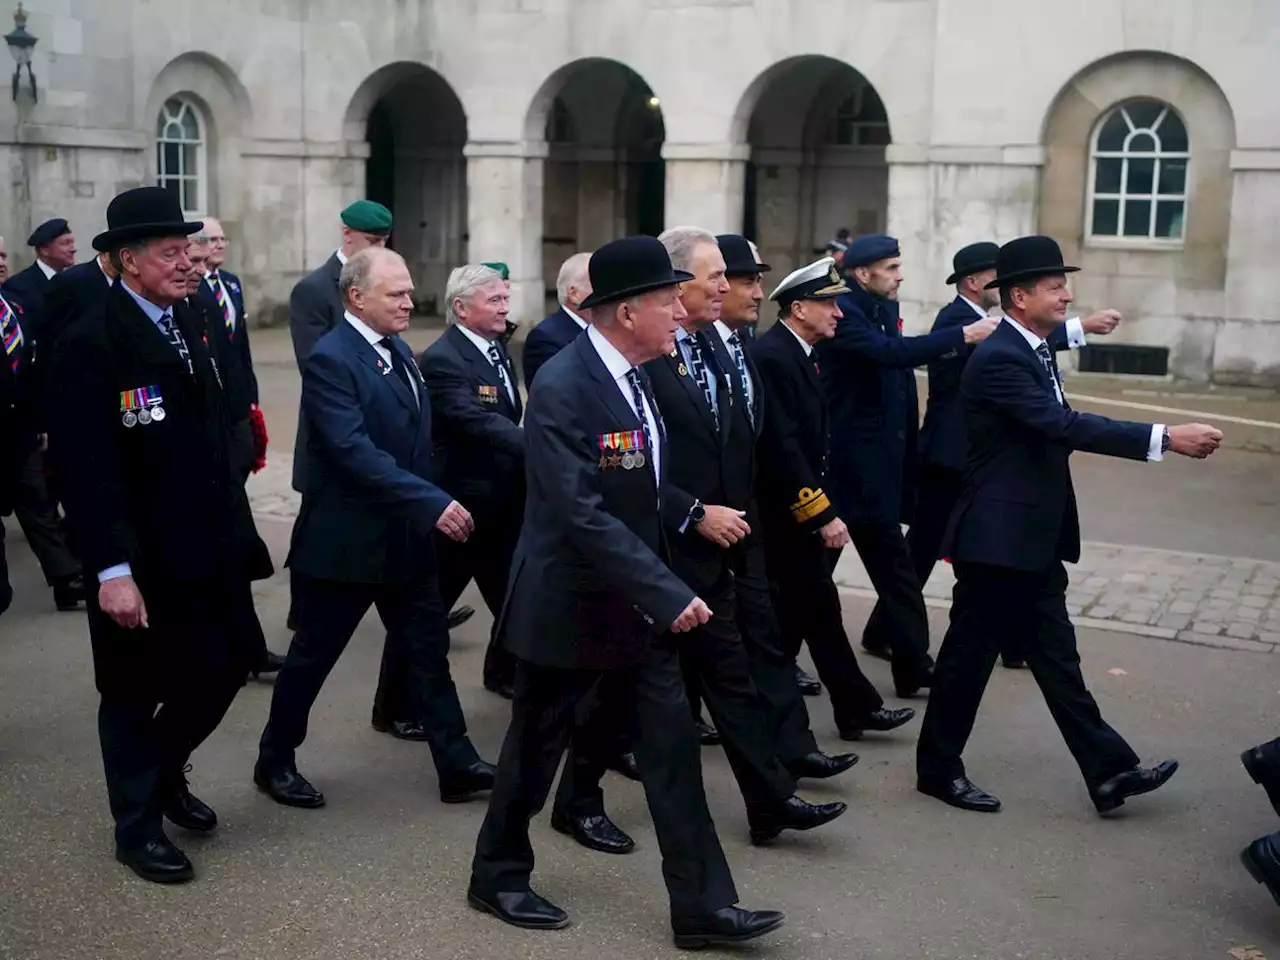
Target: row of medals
[(629, 460), (143, 416)]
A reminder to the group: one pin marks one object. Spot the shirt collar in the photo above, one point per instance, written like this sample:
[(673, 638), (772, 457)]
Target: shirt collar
[(617, 365), (1027, 335), (342, 257), (366, 331), (805, 345), (153, 312), (722, 328), (481, 343), (105, 275), (976, 309), (574, 317), (47, 270), (211, 275)]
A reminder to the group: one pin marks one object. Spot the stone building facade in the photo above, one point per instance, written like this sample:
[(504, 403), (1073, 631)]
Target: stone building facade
[(1140, 133)]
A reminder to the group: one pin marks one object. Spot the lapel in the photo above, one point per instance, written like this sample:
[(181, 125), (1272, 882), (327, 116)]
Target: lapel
[(517, 406), (676, 363), (807, 371), (152, 345), (624, 417), (729, 377), (758, 410), (369, 357), (482, 367), (1020, 344)]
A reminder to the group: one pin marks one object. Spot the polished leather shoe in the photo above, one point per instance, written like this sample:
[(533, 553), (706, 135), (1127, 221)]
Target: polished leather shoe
[(1262, 859), (287, 786), (820, 766), (809, 686), (708, 735), (68, 594), (158, 861), (459, 615), (187, 811), (792, 814), (881, 721), (961, 792), (520, 908), (1263, 772), (1013, 663), (1131, 783), (596, 832), (463, 785), (726, 926), (270, 663), (922, 683), (400, 729), (877, 651), (625, 764), (503, 688)]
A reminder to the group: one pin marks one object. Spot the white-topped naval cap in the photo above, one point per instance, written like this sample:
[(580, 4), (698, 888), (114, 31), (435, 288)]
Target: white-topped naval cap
[(817, 281)]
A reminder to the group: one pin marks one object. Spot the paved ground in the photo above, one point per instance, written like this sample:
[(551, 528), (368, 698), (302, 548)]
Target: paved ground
[(380, 873)]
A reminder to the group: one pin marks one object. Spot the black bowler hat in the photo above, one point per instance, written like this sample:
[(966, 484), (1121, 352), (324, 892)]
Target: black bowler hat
[(1027, 258), (143, 213), (972, 259), (739, 258), (48, 232), (628, 267)]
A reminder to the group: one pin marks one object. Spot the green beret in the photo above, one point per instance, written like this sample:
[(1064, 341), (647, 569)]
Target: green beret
[(368, 216), (499, 266)]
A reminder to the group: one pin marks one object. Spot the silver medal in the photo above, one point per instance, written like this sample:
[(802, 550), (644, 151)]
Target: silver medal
[(628, 461), (639, 459), (144, 417), (158, 414), (130, 419)]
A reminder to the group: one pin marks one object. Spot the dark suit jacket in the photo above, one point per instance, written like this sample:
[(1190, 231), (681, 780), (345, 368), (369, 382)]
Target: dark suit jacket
[(794, 439), (741, 438), (479, 445), (544, 341), (871, 391), (18, 427), (942, 437), (1018, 507), (589, 586), (315, 308), (29, 287), (369, 505), (241, 381)]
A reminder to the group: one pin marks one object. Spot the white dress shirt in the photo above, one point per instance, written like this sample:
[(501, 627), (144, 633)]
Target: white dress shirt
[(375, 341), (804, 344), (582, 324), (342, 257), (618, 367), (725, 334), (483, 346), (47, 270)]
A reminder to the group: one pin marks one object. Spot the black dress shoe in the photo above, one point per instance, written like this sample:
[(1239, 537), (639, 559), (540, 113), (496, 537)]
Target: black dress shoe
[(463, 785), (1131, 783), (502, 688), (923, 682), (595, 832), (880, 721), (68, 594), (1262, 859), (708, 735), (625, 764), (1013, 663), (809, 686), (158, 861), (961, 792), (520, 908), (820, 766), (187, 811), (400, 729), (459, 615), (287, 786), (879, 651), (724, 927), (270, 663), (792, 814), (1263, 772)]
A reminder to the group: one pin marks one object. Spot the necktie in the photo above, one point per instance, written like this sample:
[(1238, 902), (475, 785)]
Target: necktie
[(174, 336), (397, 364), (699, 369), (1046, 361), (638, 395), (11, 331), (735, 350), (495, 357), (224, 304)]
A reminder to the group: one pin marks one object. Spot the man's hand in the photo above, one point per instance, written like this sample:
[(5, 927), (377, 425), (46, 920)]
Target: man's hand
[(723, 526), (695, 614), (1196, 440), (42, 442), (121, 600), (456, 523), (980, 330), (835, 534), (1101, 323)]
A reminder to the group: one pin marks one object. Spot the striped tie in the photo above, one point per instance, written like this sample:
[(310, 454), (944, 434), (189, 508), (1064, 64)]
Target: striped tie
[(699, 369), (174, 336), (223, 303), (12, 333)]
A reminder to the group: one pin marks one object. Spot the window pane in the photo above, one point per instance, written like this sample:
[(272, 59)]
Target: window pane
[(1141, 176), (173, 187), (1113, 132), (872, 107), (171, 158), (1173, 133), (1142, 143), (1106, 218), (190, 125), (173, 107), (190, 195), (172, 132), (1169, 219), (1107, 179), (1173, 176), (1144, 113), (874, 135), (1137, 218), (189, 165), (161, 122)]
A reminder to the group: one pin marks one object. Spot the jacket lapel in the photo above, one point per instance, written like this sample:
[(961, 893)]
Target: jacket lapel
[(152, 345), (369, 356), (1020, 344), (675, 361), (481, 365), (606, 386)]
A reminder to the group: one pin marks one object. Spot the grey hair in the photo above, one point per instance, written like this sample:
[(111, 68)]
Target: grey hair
[(356, 271), (137, 248), (463, 282), (198, 238), (572, 272), (682, 241)]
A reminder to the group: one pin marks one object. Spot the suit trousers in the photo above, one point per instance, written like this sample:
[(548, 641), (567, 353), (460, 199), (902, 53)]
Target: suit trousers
[(987, 601), (542, 717), (37, 513), (6, 588), (904, 627), (147, 737), (808, 609), (417, 648)]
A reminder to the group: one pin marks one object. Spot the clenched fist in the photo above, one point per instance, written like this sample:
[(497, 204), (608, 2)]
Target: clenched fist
[(695, 614), (121, 600), (1196, 440), (456, 523), (980, 330), (723, 526), (1101, 323), (835, 535)]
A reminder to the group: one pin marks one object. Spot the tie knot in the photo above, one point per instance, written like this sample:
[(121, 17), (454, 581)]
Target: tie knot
[(388, 343), (494, 353)]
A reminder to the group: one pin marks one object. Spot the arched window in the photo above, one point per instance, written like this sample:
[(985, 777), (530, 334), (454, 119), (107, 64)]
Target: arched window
[(1138, 176), (560, 127), (180, 154), (860, 120)]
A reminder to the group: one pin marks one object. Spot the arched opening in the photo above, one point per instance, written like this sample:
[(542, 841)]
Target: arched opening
[(817, 130), (415, 129), (604, 176)]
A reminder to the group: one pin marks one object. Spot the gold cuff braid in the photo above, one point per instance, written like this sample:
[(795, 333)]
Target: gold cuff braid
[(810, 504)]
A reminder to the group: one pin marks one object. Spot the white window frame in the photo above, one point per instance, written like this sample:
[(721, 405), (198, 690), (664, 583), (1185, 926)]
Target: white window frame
[(181, 105), (1149, 241)]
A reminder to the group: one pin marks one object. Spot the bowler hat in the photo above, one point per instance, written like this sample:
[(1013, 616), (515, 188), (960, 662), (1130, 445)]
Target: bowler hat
[(143, 213), (972, 259), (48, 232), (1027, 258), (628, 267), (739, 258)]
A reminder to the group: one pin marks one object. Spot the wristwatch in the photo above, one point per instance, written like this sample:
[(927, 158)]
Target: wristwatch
[(1165, 441), (697, 513)]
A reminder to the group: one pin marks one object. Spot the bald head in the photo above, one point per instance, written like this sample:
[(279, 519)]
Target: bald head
[(376, 288)]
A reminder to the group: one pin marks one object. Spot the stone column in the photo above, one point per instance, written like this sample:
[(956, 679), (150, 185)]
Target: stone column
[(705, 184), (504, 215), (1247, 346)]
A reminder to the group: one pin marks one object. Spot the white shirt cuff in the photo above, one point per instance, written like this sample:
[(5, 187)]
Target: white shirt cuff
[(1157, 441), (114, 573), (1075, 333)]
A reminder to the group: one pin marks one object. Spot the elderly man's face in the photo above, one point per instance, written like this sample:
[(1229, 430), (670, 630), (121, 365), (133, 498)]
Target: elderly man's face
[(652, 320), (61, 253), (217, 243), (882, 278), (353, 241), (159, 271), (703, 296), (816, 319), (4, 262), (198, 255), (484, 313), (387, 298)]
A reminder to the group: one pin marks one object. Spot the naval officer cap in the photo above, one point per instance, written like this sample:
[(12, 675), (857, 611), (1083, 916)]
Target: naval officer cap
[(870, 249), (368, 216), (818, 281), (48, 232)]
